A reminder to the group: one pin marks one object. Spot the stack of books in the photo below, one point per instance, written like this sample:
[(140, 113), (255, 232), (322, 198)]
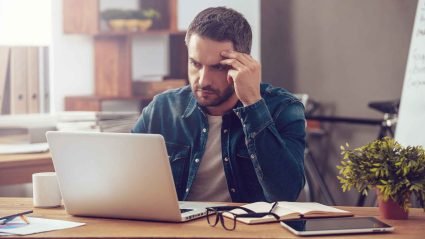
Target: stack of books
[(25, 128), (116, 122), (25, 133)]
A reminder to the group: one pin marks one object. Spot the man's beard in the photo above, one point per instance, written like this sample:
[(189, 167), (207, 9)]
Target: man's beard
[(221, 97)]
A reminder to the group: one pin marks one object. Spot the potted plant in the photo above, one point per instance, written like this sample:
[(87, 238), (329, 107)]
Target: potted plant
[(116, 18), (396, 172), (145, 18)]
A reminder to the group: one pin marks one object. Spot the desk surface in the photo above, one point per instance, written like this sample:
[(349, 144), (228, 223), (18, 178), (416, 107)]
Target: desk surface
[(18, 168), (110, 228)]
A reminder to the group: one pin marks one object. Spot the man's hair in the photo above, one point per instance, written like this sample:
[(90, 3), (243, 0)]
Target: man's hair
[(222, 24)]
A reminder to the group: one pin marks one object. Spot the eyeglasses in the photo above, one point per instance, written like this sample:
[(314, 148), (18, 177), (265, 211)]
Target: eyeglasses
[(215, 214)]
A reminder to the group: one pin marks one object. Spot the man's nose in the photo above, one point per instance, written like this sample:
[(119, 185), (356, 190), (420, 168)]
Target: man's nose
[(204, 77)]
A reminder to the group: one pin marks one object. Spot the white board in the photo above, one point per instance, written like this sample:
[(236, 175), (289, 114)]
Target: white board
[(411, 125)]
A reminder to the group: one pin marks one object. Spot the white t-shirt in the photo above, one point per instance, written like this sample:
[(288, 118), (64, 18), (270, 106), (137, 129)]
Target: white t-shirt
[(210, 181)]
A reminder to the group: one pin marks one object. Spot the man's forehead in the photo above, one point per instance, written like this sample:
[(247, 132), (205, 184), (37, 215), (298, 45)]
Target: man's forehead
[(207, 51)]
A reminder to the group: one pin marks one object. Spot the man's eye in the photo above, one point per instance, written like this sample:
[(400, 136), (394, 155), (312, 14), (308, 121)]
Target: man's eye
[(221, 67), (195, 64)]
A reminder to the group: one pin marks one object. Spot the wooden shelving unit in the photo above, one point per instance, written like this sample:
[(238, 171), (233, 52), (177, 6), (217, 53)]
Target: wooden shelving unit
[(83, 16), (112, 49), (95, 103)]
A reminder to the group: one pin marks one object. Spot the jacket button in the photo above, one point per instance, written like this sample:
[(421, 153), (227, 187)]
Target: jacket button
[(204, 130), (196, 160), (253, 156), (187, 189), (233, 190), (226, 159), (225, 131)]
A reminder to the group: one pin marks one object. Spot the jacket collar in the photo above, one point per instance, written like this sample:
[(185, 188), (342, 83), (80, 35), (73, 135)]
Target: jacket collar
[(190, 106), (193, 104)]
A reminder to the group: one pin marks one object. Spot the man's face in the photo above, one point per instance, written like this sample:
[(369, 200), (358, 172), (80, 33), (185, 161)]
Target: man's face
[(207, 77)]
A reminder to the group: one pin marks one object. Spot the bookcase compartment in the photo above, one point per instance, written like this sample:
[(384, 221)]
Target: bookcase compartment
[(113, 50)]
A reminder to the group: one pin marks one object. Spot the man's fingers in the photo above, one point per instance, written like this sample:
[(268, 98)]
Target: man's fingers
[(234, 63), (245, 59), (236, 55)]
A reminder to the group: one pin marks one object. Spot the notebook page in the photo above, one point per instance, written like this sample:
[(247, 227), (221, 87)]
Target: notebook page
[(309, 207)]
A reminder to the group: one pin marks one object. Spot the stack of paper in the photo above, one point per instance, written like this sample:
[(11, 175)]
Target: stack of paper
[(25, 133), (118, 122), (25, 129), (23, 148)]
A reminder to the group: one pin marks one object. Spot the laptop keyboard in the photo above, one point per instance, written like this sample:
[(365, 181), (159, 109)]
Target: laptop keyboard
[(185, 210)]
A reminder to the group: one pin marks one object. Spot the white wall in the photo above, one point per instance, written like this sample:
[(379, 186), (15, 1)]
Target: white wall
[(70, 61), (149, 56), (25, 22)]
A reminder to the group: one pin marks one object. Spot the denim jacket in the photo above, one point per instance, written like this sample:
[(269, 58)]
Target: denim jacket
[(262, 144)]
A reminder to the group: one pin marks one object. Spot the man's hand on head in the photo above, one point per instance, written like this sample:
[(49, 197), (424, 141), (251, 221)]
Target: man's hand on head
[(245, 72)]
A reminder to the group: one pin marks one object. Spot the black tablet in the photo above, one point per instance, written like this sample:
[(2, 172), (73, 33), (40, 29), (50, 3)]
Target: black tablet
[(341, 225)]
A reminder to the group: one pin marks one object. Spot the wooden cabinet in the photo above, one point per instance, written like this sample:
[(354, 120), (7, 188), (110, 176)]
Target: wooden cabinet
[(113, 49)]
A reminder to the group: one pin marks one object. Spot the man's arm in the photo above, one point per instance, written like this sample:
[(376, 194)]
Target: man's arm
[(276, 145), (144, 120), (276, 148)]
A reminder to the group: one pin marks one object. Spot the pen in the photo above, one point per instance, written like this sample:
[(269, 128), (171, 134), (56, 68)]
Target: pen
[(11, 217), (25, 219)]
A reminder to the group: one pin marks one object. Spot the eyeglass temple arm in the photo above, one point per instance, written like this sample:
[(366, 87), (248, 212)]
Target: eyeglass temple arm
[(228, 208)]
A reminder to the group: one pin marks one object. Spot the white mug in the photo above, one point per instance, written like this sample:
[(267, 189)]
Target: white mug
[(46, 192)]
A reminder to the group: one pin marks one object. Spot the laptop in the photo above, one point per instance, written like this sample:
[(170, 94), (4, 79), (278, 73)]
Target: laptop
[(118, 175)]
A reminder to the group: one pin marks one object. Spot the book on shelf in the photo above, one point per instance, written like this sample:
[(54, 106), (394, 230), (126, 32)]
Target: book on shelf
[(118, 122), (25, 129), (68, 116), (96, 127), (288, 210), (14, 135)]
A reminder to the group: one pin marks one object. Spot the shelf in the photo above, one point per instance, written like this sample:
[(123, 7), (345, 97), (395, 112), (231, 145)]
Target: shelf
[(83, 16), (143, 91), (139, 33), (94, 103), (113, 51), (102, 98)]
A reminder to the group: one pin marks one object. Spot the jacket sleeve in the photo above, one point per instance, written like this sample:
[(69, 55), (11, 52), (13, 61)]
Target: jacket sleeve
[(144, 120), (276, 147)]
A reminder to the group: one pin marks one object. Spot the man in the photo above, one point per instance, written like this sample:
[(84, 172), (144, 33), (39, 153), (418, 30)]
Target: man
[(229, 137)]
